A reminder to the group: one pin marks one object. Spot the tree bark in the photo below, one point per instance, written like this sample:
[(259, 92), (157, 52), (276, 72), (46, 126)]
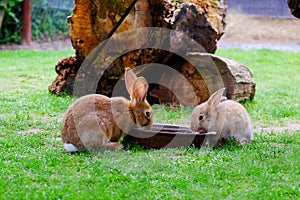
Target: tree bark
[(213, 73), (92, 21)]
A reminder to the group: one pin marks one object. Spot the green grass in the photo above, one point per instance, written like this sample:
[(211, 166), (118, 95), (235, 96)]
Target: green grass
[(34, 164)]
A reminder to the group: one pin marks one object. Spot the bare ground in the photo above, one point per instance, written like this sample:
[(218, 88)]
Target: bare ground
[(60, 42), (250, 32)]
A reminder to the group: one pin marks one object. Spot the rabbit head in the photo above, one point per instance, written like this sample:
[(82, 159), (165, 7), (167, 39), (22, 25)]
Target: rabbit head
[(204, 115), (139, 107)]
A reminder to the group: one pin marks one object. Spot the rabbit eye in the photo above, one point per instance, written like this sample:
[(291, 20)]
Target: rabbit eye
[(148, 114), (201, 117)]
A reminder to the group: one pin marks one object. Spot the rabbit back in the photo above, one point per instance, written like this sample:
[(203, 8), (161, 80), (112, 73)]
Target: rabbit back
[(221, 119), (96, 121), (89, 122), (237, 123)]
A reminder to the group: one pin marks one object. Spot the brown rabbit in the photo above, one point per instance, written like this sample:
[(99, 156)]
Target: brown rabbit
[(222, 120), (95, 121)]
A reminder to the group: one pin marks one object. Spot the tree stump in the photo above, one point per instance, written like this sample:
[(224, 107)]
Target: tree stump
[(103, 22)]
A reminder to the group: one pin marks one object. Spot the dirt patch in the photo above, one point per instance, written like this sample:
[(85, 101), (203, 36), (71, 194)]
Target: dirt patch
[(60, 42), (248, 32)]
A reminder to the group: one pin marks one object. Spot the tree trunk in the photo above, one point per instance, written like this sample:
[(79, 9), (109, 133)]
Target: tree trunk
[(110, 36)]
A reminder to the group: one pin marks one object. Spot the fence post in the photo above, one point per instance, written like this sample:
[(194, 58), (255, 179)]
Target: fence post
[(26, 22)]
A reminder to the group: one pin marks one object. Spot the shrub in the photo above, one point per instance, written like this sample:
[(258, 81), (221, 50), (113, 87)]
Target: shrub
[(11, 25), (49, 18)]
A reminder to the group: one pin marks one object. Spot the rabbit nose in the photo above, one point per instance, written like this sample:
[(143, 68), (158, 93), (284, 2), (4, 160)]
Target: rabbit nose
[(146, 126)]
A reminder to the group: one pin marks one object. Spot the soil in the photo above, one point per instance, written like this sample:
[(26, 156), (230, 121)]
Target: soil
[(250, 32), (60, 42)]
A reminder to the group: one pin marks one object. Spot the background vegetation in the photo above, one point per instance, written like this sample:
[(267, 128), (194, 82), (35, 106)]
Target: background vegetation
[(49, 18), (11, 25), (34, 164)]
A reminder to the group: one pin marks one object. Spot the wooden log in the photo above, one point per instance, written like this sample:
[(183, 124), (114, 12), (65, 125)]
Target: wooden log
[(92, 22), (212, 73), (66, 70)]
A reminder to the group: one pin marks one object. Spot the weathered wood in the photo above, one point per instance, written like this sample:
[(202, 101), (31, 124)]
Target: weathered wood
[(66, 70), (213, 73), (92, 22), (204, 21)]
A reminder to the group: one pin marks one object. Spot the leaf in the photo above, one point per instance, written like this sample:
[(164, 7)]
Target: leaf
[(13, 16), (3, 5), (13, 3)]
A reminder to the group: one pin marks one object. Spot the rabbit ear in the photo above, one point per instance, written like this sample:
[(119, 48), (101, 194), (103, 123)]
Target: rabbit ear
[(215, 98), (140, 89), (130, 79)]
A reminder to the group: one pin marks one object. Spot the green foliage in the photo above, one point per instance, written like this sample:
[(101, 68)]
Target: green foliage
[(48, 20), (34, 164), (11, 26)]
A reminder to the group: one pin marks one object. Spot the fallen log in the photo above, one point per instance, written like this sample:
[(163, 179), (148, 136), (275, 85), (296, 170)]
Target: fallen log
[(96, 25), (207, 74)]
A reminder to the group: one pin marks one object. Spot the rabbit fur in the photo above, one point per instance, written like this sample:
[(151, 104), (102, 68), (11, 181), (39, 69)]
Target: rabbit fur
[(95, 121), (222, 119)]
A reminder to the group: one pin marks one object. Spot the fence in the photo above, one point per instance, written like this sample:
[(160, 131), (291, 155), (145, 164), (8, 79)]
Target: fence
[(49, 17), (272, 8)]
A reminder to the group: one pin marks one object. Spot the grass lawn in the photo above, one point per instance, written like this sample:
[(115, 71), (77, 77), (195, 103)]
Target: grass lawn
[(34, 164)]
